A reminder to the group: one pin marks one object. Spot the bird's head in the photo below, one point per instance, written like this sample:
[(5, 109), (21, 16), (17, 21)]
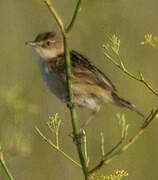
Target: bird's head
[(47, 45)]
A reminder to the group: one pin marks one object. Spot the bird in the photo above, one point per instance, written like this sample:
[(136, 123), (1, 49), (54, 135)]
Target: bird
[(91, 87)]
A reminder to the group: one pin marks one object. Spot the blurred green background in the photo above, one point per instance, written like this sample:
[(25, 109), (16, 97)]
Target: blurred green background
[(25, 101)]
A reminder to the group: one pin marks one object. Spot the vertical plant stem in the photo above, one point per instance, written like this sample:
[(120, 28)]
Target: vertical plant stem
[(74, 16), (57, 139), (74, 121), (76, 129)]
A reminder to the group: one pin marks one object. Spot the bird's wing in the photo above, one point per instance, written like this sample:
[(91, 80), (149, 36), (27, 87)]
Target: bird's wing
[(84, 71)]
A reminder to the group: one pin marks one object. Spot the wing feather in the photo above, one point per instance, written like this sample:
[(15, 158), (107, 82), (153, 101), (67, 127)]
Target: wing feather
[(83, 71), (90, 73)]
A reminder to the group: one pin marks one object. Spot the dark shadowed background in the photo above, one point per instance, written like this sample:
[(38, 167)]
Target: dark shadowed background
[(25, 101)]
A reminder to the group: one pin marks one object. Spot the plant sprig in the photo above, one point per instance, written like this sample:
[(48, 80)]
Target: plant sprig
[(111, 52)]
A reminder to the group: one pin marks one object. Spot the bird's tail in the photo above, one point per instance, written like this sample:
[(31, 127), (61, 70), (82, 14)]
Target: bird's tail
[(121, 102)]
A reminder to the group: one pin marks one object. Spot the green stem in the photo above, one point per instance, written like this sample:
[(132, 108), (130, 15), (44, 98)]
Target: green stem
[(74, 16), (3, 164), (123, 69), (76, 130)]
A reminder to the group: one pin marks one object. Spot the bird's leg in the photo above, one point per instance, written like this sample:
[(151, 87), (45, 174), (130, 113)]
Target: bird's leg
[(91, 117), (78, 138), (70, 105)]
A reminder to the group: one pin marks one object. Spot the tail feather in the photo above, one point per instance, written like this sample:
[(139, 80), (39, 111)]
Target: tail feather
[(121, 102)]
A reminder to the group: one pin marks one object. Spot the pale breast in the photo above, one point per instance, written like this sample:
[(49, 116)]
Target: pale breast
[(53, 81)]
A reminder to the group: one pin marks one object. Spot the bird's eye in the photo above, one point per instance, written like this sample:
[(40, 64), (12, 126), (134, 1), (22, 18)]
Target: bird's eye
[(48, 43)]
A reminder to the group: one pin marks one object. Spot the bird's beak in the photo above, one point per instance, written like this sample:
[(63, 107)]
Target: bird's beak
[(31, 43)]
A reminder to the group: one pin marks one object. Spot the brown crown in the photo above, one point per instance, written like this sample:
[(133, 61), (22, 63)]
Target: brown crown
[(45, 36)]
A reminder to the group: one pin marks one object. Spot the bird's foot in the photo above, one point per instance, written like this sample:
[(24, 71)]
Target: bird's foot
[(70, 105), (78, 138)]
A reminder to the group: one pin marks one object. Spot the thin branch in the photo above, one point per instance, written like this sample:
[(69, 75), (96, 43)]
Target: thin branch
[(55, 15), (116, 146), (57, 139), (85, 147), (106, 160), (102, 145), (109, 153), (68, 29), (3, 164), (122, 67), (48, 141)]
